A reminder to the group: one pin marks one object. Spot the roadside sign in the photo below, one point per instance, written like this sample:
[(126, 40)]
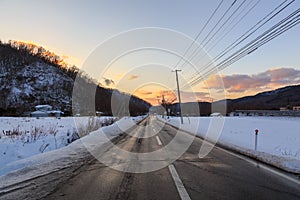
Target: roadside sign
[(255, 145)]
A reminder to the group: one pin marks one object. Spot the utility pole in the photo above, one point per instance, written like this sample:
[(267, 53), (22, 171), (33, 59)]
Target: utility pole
[(178, 90), (124, 110), (164, 105), (157, 110)]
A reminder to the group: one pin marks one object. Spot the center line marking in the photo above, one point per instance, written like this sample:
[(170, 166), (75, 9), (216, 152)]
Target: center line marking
[(158, 141), (179, 185)]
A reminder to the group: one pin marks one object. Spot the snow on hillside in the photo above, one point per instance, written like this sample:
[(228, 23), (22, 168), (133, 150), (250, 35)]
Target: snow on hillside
[(31, 82), (24, 137), (279, 137)]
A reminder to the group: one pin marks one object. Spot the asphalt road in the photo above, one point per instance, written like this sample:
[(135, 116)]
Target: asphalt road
[(220, 175)]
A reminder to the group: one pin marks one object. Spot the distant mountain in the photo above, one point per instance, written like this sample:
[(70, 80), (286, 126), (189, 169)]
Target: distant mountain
[(31, 75), (270, 100)]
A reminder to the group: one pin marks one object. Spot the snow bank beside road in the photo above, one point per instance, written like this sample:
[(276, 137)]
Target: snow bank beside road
[(24, 137), (278, 139), (48, 162)]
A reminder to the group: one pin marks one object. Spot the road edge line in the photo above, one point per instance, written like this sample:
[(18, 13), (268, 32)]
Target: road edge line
[(179, 185), (250, 159), (158, 141)]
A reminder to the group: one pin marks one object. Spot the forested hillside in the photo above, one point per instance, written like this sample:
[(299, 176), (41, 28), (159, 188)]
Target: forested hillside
[(31, 75)]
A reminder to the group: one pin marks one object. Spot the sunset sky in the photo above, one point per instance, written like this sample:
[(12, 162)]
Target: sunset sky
[(75, 29)]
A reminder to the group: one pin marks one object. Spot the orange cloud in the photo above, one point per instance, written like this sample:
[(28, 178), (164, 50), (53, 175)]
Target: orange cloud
[(65, 57), (170, 96), (132, 77), (242, 84), (195, 96), (236, 85), (143, 92), (155, 96)]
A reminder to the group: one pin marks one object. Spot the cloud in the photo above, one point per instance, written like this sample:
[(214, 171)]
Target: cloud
[(170, 96), (186, 96), (285, 76), (143, 92), (195, 96), (270, 79), (65, 57), (108, 82), (132, 77)]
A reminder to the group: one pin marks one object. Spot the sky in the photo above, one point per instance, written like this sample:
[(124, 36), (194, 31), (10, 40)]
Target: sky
[(108, 39)]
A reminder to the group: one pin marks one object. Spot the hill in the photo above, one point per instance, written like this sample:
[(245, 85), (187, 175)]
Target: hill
[(270, 100), (31, 75)]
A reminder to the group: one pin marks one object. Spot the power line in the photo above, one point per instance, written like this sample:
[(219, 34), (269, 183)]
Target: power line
[(207, 35), (198, 35), (237, 42), (232, 27), (239, 7), (279, 28), (282, 26), (246, 35), (246, 52), (226, 28), (219, 21), (271, 35), (211, 31)]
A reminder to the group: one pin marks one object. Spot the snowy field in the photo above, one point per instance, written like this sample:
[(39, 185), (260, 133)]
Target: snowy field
[(24, 137), (63, 158), (278, 136)]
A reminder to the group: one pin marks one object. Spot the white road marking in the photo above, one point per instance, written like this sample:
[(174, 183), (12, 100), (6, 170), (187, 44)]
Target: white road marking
[(254, 162), (158, 141), (251, 161), (179, 185), (261, 165)]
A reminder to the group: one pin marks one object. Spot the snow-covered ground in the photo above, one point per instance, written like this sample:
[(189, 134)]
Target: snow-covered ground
[(60, 159), (24, 137), (278, 138)]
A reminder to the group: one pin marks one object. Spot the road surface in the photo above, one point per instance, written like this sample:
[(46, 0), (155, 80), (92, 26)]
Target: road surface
[(220, 175)]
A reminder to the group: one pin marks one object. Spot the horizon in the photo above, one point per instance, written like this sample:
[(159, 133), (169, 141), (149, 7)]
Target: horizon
[(64, 63)]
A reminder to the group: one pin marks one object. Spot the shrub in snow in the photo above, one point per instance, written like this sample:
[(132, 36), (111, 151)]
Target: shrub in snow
[(93, 124), (71, 137), (25, 137)]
